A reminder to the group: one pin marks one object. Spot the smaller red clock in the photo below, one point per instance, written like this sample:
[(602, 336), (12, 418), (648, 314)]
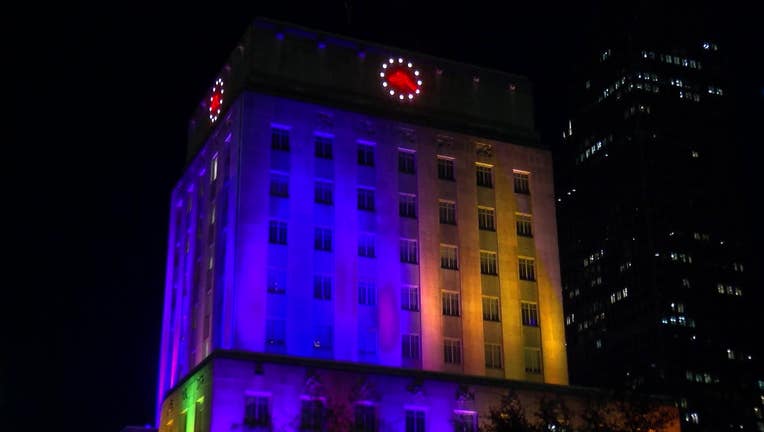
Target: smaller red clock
[(400, 80), (216, 100)]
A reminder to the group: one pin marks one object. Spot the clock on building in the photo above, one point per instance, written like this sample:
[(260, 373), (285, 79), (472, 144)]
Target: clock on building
[(216, 100), (400, 79)]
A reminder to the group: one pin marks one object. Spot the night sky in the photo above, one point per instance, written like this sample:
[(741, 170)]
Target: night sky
[(101, 95)]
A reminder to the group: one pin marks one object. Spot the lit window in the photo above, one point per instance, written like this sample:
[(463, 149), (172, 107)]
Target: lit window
[(485, 176), (277, 232), (365, 199), (323, 239), (524, 227), (324, 192), (521, 182), (448, 257), (365, 155), (488, 263), (256, 412), (530, 314), (367, 293), (323, 146), (410, 346), (450, 303), (406, 162), (491, 308), (415, 421), (452, 351), (445, 168), (279, 185), (366, 245), (322, 287), (486, 219), (447, 212), (527, 269), (410, 298), (279, 139), (408, 251), (493, 356), (533, 360), (364, 418), (312, 415), (407, 205)]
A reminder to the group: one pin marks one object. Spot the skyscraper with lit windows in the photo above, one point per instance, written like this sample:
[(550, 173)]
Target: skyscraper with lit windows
[(362, 235)]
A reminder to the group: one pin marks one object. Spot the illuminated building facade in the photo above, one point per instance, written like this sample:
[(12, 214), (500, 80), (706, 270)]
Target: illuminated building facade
[(358, 219), (652, 262)]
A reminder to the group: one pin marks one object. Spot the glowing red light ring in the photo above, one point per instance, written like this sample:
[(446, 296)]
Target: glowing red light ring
[(216, 100), (400, 79)]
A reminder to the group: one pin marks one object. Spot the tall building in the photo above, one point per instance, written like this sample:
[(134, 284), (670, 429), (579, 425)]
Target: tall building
[(362, 234), (652, 262)]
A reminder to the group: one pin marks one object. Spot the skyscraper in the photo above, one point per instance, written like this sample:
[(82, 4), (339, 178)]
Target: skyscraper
[(363, 235), (652, 261)]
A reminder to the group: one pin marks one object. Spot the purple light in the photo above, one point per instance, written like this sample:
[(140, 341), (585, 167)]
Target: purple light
[(321, 45), (280, 36), (362, 54)]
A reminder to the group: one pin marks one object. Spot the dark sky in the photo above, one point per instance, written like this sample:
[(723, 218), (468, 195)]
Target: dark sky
[(101, 94)]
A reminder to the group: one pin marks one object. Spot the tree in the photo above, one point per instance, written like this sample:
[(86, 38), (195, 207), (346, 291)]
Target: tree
[(554, 415), (508, 416)]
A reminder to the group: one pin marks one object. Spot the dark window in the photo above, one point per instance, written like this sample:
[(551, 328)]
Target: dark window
[(323, 338), (365, 155), (530, 314), (323, 239), (365, 418), (366, 246), (407, 205), (521, 183), (408, 251), (452, 351), (410, 298), (465, 422), (277, 232), (493, 356), (445, 169), (450, 303), (410, 346), (366, 199), (256, 412), (277, 281), (526, 269), (414, 421), (484, 176), (524, 228), (447, 212), (367, 293), (448, 257), (322, 287), (486, 219), (280, 139), (406, 162), (488, 263), (323, 147), (312, 415), (491, 308), (324, 192), (275, 333), (279, 185), (532, 360)]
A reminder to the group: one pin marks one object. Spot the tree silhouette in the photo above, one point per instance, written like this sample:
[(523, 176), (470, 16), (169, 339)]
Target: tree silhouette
[(508, 416)]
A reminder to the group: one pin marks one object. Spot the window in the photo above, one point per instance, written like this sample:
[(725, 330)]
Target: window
[(447, 212), (365, 155), (275, 332), (448, 257), (323, 146), (366, 199), (521, 182), (323, 192), (488, 263), (408, 251), (493, 356), (486, 219), (527, 270), (323, 337), (406, 161), (445, 168), (279, 185), (410, 346), (530, 314), (312, 415), (490, 308), (532, 360), (323, 239), (277, 232), (485, 176), (276, 281), (414, 420), (523, 223), (367, 293), (452, 351), (450, 303), (256, 412), (365, 418), (366, 245), (280, 139), (410, 298), (465, 421), (322, 287), (407, 205)]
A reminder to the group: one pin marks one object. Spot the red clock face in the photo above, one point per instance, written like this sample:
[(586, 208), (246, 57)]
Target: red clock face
[(400, 79), (216, 100)]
